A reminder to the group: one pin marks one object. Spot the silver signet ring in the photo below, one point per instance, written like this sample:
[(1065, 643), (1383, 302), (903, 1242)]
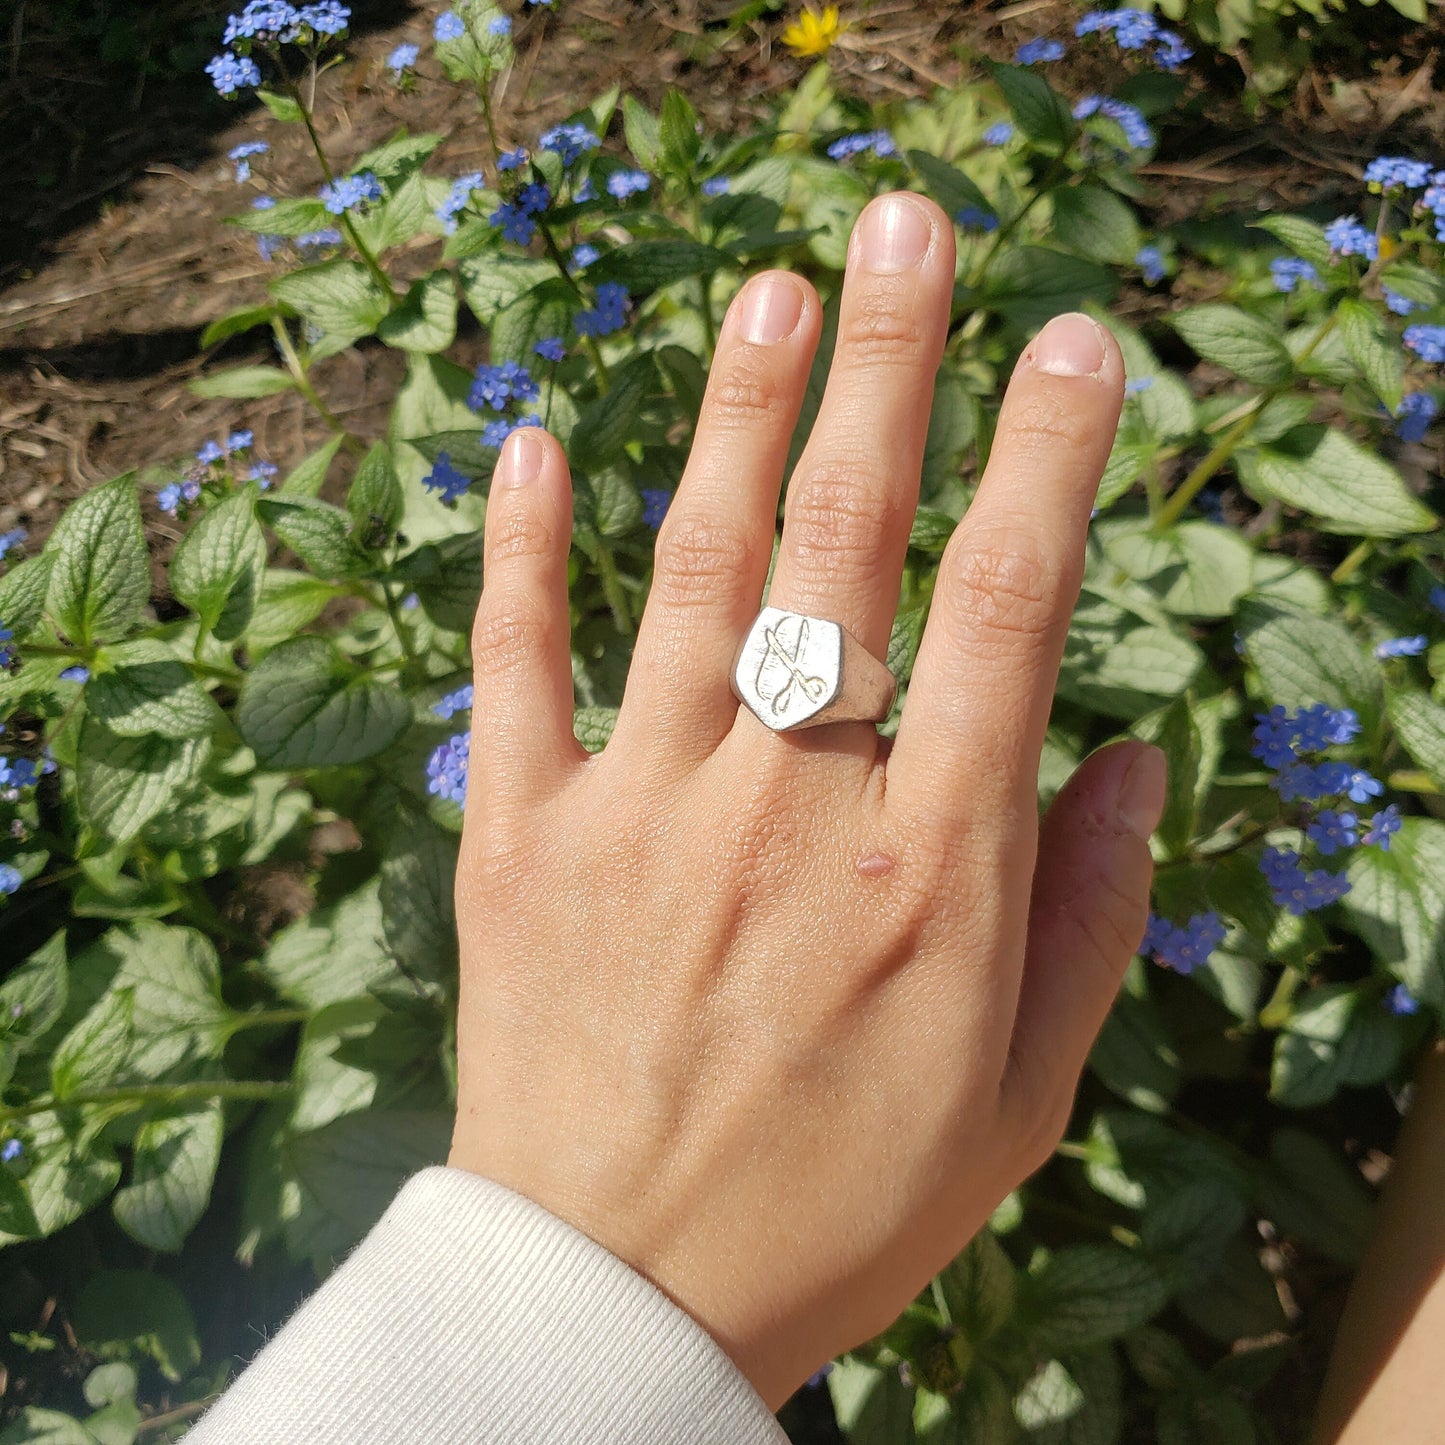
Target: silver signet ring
[(794, 671)]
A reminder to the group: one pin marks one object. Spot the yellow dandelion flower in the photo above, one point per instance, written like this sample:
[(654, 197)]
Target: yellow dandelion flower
[(811, 33)]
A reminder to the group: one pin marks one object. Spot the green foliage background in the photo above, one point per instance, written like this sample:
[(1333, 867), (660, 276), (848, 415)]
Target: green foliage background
[(207, 1114)]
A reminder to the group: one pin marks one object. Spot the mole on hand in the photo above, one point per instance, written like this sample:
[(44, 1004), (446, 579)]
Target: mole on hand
[(875, 865)]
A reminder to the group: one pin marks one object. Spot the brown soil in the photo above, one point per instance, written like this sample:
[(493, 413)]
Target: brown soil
[(98, 338)]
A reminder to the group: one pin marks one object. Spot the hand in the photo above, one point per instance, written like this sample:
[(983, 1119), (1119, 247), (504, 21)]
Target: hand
[(779, 1018)]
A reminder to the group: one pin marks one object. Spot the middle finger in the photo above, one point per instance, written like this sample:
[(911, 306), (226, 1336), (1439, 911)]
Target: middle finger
[(854, 491)]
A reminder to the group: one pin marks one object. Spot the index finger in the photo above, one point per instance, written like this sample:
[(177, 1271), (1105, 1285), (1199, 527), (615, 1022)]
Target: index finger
[(973, 723)]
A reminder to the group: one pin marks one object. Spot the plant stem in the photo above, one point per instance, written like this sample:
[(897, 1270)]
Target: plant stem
[(1229, 443), (142, 1094), (1057, 168), (303, 385), (1214, 459), (348, 225), (612, 589), (269, 1018), (1351, 564), (394, 613), (604, 377), (1413, 782), (1275, 1014), (704, 285)]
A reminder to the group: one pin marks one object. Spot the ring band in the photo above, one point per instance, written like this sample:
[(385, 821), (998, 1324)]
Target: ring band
[(794, 671)]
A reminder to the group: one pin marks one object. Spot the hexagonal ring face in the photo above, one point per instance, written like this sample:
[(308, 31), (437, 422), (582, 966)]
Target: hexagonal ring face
[(789, 668), (795, 671)]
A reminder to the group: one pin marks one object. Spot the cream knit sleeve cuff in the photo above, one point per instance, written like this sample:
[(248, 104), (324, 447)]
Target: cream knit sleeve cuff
[(472, 1316)]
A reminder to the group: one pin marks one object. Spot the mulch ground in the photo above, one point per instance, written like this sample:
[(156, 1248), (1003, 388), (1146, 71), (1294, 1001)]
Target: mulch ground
[(99, 324)]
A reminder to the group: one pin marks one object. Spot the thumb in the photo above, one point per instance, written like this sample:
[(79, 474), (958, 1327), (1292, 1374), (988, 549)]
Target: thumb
[(1090, 904)]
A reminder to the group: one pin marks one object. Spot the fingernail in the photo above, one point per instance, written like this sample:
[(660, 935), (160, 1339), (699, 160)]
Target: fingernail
[(770, 309), (521, 457), (1140, 803), (893, 235), (1070, 345)]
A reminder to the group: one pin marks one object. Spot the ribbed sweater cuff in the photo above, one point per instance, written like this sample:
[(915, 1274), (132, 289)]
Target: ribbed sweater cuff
[(472, 1316)]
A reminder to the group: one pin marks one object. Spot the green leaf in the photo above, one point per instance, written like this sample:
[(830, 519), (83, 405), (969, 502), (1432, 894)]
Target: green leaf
[(494, 281), (1419, 723), (218, 567), (1303, 660), (283, 107), (318, 533), (351, 1170), (288, 602), (294, 216), (36, 1426), (1396, 903), (73, 1169), (426, 319), (644, 266), (1240, 343), (32, 998), (592, 726), (100, 579), (22, 594), (1029, 285), (947, 184), (1094, 222), (95, 1053), (310, 476), (872, 1404), (1314, 1196), (447, 578), (678, 133), (1038, 109), (1303, 237), (340, 298), (418, 881), (952, 429), (1124, 672), (607, 502), (125, 782), (1337, 1036), (138, 689), (237, 323), (980, 1288), (172, 1170), (109, 1385), (931, 530), (1089, 1293), (644, 134), (118, 1311), (1074, 1401), (375, 500), (609, 422), (177, 1015), (1196, 568), (243, 383), (1373, 348), (546, 310), (335, 952), (1134, 1056), (305, 706)]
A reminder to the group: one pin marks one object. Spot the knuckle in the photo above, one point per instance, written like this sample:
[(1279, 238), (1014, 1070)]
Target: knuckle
[(746, 395), (1112, 919), (881, 328), (836, 518), (518, 532), (1006, 583), (1045, 423), (505, 634), (694, 555)]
